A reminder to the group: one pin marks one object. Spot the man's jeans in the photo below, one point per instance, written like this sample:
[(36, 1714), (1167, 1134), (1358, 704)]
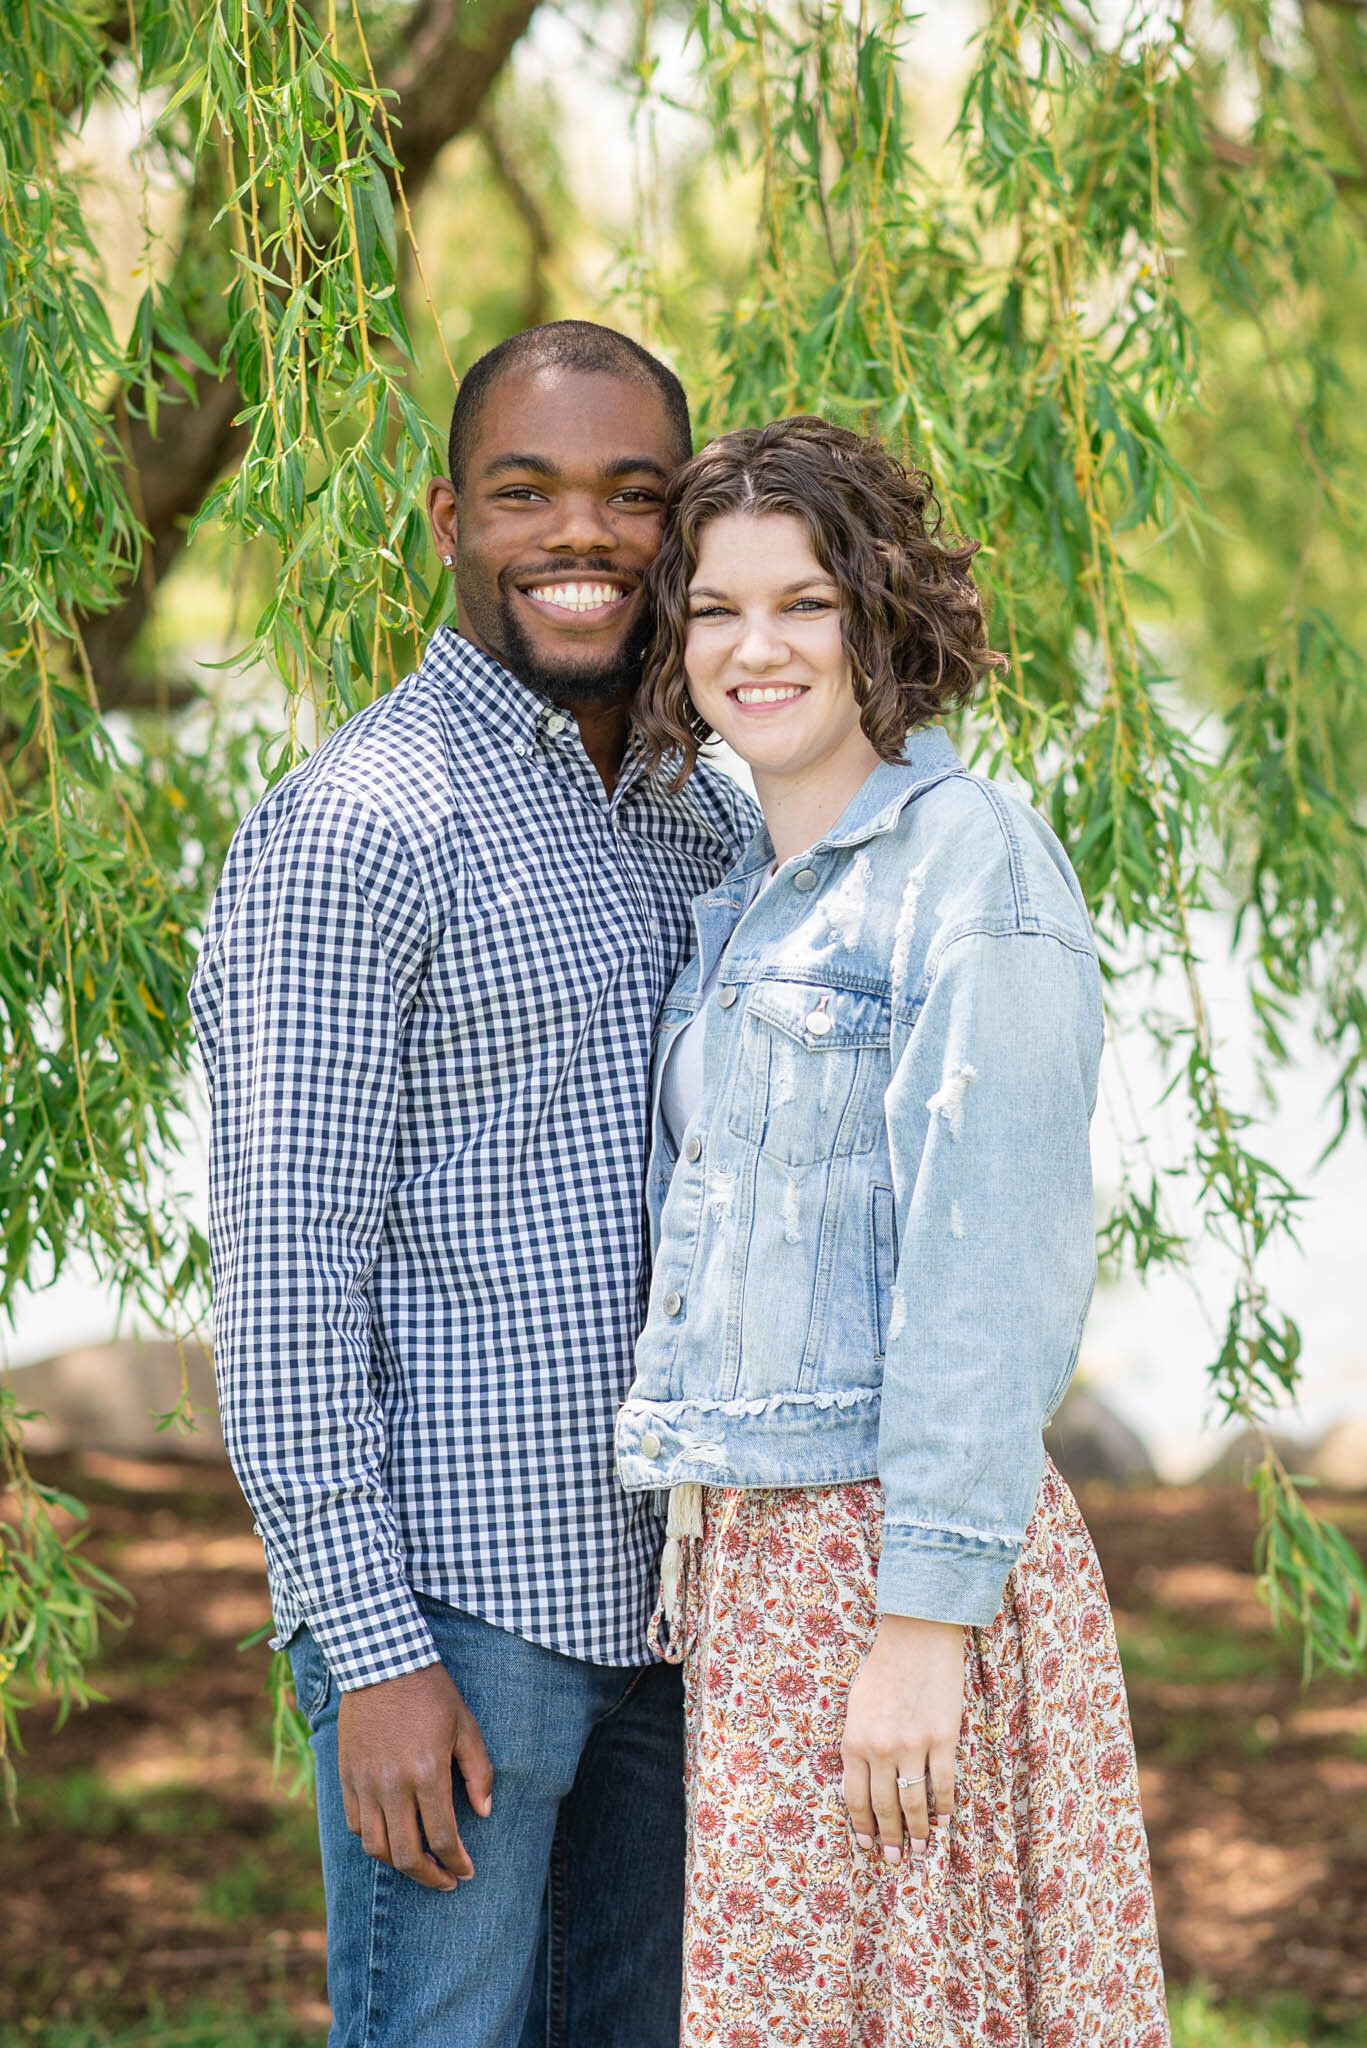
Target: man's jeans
[(569, 1935)]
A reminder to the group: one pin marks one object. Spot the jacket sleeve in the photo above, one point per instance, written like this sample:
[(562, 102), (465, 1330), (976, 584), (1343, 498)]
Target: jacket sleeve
[(992, 1089), (312, 964)]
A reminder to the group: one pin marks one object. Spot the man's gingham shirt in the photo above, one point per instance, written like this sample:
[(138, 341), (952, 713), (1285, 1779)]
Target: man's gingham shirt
[(425, 1002)]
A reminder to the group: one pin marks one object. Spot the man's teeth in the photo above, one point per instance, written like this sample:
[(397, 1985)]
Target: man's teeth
[(769, 693), (577, 597)]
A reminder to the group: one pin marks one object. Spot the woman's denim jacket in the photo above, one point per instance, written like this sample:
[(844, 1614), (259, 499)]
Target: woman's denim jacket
[(876, 1252)]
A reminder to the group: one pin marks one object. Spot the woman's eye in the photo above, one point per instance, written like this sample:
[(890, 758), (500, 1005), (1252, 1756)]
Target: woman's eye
[(813, 604), (709, 611)]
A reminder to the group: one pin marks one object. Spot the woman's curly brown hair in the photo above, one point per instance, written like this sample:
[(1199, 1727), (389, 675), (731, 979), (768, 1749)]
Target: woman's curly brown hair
[(910, 614)]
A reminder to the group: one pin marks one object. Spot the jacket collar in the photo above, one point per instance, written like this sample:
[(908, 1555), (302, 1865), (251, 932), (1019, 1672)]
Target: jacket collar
[(928, 757)]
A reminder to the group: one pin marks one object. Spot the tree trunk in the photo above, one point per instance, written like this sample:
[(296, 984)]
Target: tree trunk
[(442, 65)]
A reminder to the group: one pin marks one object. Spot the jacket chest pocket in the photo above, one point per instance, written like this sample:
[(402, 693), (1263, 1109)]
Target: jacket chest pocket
[(812, 1072)]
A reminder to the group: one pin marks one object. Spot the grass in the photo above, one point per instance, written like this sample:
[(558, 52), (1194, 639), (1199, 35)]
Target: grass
[(1197, 2022), (198, 2028), (1167, 1647), (1277, 2022)]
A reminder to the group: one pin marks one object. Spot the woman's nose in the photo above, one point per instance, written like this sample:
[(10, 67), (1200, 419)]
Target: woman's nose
[(760, 646)]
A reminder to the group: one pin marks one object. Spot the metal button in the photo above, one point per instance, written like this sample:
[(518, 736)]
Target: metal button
[(727, 996), (805, 879), (650, 1445), (818, 1023), (672, 1303), (693, 1149)]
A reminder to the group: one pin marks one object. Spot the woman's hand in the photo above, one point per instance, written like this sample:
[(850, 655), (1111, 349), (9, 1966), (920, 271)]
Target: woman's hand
[(902, 1721)]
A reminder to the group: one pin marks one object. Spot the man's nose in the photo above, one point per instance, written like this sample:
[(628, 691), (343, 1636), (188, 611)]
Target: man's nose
[(579, 525)]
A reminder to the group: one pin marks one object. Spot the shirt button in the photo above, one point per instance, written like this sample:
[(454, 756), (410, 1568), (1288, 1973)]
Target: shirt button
[(518, 747), (650, 1445), (555, 725), (693, 1149), (727, 996), (672, 1303), (805, 879)]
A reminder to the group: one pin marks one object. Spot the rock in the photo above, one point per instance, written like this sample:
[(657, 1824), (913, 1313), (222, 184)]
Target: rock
[(1086, 1440), (1340, 1459), (107, 1397), (1241, 1456)]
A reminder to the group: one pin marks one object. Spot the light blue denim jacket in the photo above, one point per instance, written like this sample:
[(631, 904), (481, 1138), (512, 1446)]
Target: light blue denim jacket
[(876, 1251)]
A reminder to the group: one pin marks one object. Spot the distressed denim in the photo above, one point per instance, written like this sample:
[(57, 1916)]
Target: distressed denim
[(875, 1252), (569, 1934)]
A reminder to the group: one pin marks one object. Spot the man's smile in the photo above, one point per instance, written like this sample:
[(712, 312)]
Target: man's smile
[(585, 600)]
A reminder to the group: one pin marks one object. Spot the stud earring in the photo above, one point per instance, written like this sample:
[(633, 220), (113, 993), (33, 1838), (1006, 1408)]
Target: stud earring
[(448, 559)]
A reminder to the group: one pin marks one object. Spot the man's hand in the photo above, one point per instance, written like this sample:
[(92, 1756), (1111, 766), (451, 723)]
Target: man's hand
[(902, 1721), (395, 1742)]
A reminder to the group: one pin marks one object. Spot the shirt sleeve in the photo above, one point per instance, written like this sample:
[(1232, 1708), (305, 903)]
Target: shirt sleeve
[(317, 957), (992, 1090)]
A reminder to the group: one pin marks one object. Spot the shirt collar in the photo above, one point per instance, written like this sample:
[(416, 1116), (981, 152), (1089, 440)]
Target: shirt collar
[(493, 698), (488, 694)]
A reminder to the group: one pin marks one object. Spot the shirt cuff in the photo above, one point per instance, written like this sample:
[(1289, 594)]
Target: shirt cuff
[(937, 1576), (386, 1637)]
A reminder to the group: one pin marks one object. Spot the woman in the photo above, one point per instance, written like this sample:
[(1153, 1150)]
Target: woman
[(913, 1809)]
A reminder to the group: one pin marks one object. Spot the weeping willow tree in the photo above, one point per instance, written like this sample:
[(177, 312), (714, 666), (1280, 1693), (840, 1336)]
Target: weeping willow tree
[(1026, 305)]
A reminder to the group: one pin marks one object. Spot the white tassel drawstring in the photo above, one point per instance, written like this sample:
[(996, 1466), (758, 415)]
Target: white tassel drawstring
[(684, 1521)]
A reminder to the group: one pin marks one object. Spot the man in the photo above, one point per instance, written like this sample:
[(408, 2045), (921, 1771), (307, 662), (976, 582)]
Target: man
[(426, 999)]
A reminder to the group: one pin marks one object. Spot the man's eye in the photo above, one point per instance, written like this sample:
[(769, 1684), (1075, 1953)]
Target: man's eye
[(637, 497), (520, 491)]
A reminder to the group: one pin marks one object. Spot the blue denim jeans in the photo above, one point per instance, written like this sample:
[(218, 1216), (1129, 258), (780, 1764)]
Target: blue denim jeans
[(570, 1933)]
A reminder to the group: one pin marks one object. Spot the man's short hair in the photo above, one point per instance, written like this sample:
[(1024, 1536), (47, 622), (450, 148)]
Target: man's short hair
[(563, 345)]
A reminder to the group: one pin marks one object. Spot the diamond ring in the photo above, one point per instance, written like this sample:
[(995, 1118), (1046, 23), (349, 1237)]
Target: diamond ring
[(903, 1783)]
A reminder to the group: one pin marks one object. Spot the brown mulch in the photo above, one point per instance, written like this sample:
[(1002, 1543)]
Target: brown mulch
[(1255, 1787), (155, 1863)]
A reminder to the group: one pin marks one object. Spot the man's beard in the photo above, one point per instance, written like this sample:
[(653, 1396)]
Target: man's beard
[(611, 679)]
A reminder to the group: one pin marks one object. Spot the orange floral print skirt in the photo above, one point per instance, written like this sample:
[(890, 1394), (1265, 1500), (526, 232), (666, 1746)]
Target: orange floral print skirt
[(1028, 1922)]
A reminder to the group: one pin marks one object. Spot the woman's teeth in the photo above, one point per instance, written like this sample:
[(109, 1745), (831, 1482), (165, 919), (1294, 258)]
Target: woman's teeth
[(577, 597), (769, 693)]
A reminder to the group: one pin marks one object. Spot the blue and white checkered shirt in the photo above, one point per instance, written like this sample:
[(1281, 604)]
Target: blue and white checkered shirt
[(425, 1002)]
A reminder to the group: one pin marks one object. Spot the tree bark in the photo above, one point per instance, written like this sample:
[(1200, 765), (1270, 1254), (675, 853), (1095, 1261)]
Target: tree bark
[(442, 64)]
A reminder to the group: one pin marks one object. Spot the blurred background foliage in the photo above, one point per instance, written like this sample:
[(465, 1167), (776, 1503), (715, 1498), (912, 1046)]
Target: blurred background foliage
[(1097, 266)]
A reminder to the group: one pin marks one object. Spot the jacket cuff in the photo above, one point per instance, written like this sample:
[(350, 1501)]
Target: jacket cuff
[(383, 1637), (937, 1576)]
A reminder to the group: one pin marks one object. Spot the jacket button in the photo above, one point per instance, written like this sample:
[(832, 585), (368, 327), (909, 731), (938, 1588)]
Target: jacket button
[(672, 1303), (650, 1445), (693, 1149), (805, 879), (727, 996)]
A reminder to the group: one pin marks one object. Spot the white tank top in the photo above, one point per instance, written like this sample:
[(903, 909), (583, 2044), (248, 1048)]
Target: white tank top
[(681, 1081)]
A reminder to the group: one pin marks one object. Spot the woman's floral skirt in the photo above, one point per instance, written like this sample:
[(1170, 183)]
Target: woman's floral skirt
[(1028, 1922)]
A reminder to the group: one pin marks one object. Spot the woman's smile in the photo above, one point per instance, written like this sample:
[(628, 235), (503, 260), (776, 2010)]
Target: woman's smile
[(765, 696)]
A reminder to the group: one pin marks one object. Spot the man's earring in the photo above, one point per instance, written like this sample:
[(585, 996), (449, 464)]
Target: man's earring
[(448, 559)]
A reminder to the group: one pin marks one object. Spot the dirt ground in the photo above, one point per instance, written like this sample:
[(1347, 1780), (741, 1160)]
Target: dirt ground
[(155, 1863)]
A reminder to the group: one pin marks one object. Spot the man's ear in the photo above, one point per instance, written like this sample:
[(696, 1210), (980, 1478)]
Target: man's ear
[(442, 517)]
